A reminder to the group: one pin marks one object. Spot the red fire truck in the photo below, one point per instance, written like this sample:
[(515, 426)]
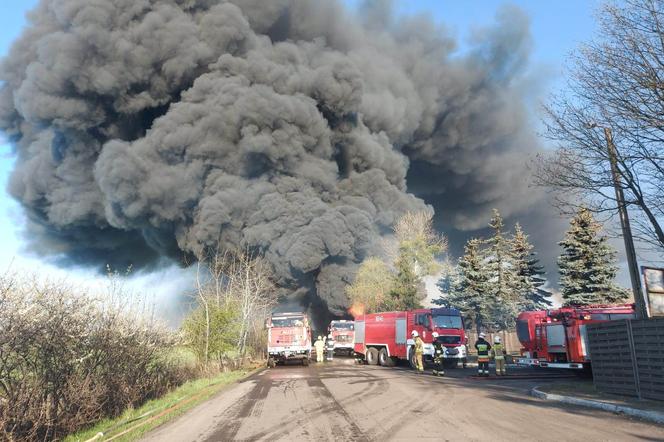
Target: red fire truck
[(384, 338), (343, 334), (558, 338), (288, 338)]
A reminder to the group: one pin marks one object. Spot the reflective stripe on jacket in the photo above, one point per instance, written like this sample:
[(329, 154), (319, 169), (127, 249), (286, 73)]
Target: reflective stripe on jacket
[(498, 351), (482, 348), (419, 345)]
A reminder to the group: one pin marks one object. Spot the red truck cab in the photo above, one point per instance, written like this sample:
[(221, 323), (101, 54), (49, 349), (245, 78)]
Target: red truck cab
[(288, 338), (343, 334), (448, 323), (529, 331)]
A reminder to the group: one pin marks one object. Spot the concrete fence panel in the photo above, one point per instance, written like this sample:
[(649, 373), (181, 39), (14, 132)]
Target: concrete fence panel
[(628, 357)]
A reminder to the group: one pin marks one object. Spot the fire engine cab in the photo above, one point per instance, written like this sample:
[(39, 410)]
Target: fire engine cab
[(288, 338), (343, 334), (558, 338)]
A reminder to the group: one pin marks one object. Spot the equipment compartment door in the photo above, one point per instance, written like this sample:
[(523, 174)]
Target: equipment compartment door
[(359, 332), (555, 338), (400, 335)]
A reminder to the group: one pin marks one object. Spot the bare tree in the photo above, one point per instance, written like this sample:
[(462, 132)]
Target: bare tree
[(234, 293), (250, 285), (618, 83)]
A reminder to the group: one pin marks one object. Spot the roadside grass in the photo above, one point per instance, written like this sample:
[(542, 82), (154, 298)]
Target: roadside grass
[(578, 387), (188, 395)]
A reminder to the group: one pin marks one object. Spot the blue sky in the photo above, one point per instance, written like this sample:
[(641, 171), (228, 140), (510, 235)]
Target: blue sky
[(557, 28)]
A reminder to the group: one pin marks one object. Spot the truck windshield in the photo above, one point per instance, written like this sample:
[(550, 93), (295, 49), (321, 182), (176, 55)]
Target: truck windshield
[(342, 326), (522, 331), (288, 322), (447, 321)]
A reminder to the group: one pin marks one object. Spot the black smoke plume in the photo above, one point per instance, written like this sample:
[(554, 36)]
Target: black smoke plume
[(146, 129)]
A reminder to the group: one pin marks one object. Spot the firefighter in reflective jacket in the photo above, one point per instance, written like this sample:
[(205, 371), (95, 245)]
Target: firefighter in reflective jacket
[(419, 351), (330, 347), (319, 345), (483, 348), (438, 355), (498, 355)]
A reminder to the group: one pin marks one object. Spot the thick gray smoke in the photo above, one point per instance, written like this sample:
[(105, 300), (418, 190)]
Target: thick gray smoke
[(147, 129)]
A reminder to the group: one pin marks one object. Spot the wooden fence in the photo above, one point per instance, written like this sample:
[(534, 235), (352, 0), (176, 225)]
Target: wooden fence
[(628, 357), (509, 338)]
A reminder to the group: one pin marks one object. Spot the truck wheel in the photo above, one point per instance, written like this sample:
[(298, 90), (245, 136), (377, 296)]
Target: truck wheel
[(372, 356), (305, 361), (384, 359), (271, 363)]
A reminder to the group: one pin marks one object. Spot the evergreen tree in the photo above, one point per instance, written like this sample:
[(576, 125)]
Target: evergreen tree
[(468, 290), (587, 264), (449, 279), (404, 287), (503, 288), (528, 272)]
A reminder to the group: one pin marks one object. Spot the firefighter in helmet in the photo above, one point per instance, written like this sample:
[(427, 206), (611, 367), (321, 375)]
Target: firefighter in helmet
[(438, 356), (418, 351), (319, 345), (498, 355), (330, 347), (483, 348)]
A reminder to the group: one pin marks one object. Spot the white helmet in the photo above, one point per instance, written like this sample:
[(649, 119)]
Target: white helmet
[(482, 335), (320, 338), (496, 339), (434, 334), (415, 333)]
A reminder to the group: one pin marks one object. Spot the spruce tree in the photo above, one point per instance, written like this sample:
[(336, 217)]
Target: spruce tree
[(404, 287), (449, 279), (529, 273), (587, 264), (503, 289), (468, 290)]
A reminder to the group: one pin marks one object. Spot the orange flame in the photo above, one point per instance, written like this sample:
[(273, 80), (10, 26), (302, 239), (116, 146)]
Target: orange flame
[(357, 309)]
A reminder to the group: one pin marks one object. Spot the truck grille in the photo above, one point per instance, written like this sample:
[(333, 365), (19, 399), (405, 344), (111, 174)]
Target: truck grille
[(343, 338)]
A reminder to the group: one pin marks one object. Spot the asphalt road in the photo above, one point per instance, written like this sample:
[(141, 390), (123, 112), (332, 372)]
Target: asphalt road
[(341, 401)]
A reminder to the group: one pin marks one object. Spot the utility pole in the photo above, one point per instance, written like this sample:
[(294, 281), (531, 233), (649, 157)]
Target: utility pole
[(639, 300)]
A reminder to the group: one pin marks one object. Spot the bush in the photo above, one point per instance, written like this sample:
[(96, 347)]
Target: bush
[(68, 359), (223, 335)]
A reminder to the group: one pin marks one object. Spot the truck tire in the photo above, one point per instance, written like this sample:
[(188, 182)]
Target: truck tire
[(271, 363), (372, 356), (383, 358), (411, 358), (305, 361)]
